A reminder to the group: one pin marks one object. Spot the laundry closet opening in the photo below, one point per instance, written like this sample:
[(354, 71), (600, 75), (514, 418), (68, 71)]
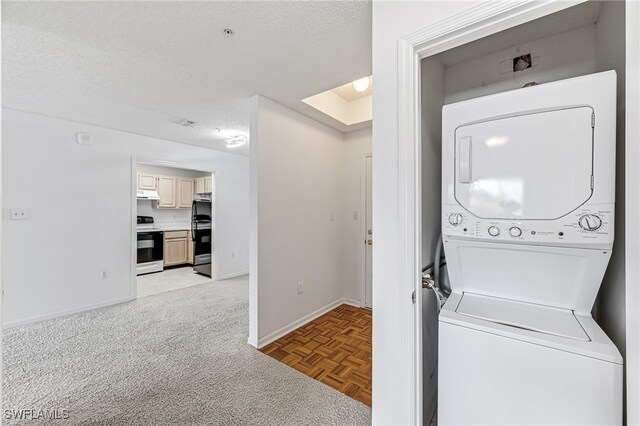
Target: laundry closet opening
[(585, 39)]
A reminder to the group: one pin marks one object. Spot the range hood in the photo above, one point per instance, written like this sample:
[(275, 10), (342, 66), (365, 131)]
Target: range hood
[(147, 195)]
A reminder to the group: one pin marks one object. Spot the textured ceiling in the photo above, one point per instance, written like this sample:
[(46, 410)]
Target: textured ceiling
[(142, 66)]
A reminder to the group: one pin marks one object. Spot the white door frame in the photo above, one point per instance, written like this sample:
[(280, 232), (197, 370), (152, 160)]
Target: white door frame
[(478, 22), (632, 210), (134, 209), (363, 230)]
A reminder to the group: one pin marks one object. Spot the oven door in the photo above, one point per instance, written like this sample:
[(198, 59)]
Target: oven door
[(150, 247)]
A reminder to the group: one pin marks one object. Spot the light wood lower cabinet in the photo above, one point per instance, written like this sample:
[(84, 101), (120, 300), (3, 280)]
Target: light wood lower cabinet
[(176, 248)]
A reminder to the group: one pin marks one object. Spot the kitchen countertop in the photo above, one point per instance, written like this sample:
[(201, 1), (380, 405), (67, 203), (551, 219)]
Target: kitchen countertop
[(168, 227), (173, 228)]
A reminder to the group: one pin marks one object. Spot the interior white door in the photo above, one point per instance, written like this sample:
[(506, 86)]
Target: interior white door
[(369, 234), (532, 166)]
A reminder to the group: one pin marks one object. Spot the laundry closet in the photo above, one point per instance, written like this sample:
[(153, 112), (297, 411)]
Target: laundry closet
[(582, 40)]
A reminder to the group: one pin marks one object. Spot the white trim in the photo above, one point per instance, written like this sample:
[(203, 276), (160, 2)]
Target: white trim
[(352, 302), (66, 312), (232, 275), (216, 249), (362, 250), (283, 331), (480, 21), (632, 211)]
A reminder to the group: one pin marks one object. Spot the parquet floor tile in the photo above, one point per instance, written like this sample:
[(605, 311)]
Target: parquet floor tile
[(334, 349)]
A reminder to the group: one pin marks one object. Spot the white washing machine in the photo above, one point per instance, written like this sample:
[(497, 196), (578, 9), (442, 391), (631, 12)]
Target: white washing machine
[(528, 215)]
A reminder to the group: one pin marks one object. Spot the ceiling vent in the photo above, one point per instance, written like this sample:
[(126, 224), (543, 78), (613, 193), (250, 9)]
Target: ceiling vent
[(187, 123)]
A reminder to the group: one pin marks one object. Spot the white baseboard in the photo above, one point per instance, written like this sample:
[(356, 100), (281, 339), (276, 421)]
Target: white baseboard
[(232, 275), (271, 337), (352, 302), (38, 318)]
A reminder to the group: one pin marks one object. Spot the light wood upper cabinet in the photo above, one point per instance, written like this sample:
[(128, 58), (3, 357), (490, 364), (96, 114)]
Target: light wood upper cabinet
[(146, 181), (199, 185), (167, 192), (185, 192), (208, 184)]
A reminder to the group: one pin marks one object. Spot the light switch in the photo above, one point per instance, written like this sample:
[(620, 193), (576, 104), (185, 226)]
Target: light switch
[(355, 215), (19, 214), (332, 216)]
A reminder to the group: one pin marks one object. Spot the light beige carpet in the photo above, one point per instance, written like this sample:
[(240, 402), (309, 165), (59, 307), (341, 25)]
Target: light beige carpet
[(175, 358)]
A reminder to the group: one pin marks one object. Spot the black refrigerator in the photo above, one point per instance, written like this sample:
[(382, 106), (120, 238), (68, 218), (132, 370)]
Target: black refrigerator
[(201, 232)]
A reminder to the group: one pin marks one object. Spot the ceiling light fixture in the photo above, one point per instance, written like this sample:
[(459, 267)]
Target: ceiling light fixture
[(236, 141), (361, 84)]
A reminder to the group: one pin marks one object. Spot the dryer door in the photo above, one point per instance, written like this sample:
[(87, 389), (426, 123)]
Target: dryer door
[(531, 166)]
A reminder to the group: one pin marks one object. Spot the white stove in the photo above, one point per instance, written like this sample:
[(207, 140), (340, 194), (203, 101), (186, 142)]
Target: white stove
[(150, 256)]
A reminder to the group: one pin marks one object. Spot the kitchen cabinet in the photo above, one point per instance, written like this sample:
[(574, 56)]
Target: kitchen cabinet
[(167, 192), (203, 185), (176, 248), (199, 185), (189, 248), (146, 181), (185, 192)]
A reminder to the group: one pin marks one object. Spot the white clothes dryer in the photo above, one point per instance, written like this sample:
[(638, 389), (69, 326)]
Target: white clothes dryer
[(528, 220)]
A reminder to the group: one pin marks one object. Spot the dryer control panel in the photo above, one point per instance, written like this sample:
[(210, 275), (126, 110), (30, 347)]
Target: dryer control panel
[(590, 226)]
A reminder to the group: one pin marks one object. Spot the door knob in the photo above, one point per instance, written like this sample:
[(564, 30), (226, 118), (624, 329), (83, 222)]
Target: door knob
[(369, 242)]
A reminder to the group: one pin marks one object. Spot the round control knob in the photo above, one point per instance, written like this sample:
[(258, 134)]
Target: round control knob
[(455, 219), (514, 231), (590, 222), (494, 231)]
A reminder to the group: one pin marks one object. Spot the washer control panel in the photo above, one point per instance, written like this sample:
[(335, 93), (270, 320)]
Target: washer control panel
[(584, 226)]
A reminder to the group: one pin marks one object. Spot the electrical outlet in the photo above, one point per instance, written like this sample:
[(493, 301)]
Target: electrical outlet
[(19, 214), (355, 215), (104, 275), (300, 287)]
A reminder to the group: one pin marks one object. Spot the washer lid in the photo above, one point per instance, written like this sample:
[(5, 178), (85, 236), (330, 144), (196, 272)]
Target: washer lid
[(528, 316), (536, 165)]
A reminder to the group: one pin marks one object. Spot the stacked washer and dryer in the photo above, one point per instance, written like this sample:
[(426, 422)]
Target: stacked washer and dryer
[(528, 221)]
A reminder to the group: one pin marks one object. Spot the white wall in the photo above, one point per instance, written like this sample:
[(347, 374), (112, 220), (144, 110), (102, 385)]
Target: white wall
[(80, 204), (298, 189), (560, 56), (610, 54), (392, 364), (305, 181)]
